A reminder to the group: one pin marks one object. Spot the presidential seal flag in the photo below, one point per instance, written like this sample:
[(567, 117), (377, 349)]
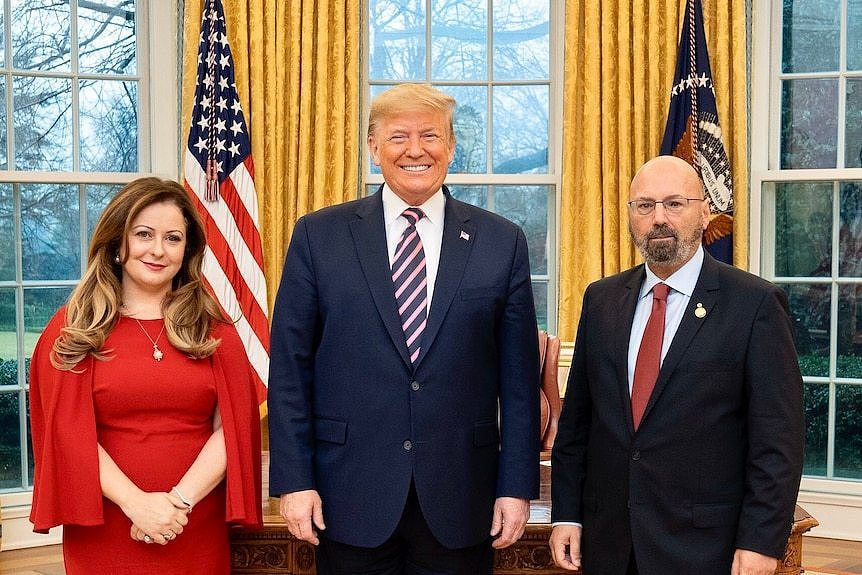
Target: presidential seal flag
[(219, 175), (694, 134)]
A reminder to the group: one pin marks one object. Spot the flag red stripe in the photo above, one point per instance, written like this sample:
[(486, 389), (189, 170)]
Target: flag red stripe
[(255, 316)]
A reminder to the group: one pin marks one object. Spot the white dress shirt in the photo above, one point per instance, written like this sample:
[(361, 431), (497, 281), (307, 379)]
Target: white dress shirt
[(681, 285), (429, 228)]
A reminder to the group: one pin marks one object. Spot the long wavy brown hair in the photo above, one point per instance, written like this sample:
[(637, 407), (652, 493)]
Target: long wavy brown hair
[(93, 309)]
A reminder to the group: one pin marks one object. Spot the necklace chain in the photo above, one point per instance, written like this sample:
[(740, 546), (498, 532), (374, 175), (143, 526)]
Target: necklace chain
[(157, 353)]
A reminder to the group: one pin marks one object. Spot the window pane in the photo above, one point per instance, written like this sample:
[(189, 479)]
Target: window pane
[(850, 230), (540, 300), (10, 439), (106, 37), (854, 34), (30, 458), (850, 331), (50, 242), (8, 339), (803, 229), (522, 40), (471, 135), (7, 233), (528, 207), (40, 304), (109, 126), (98, 197), (521, 129), (853, 126), (809, 123), (2, 36), (4, 160), (459, 42), (43, 124), (396, 38), (848, 431), (810, 312), (476, 195), (40, 35), (816, 401), (811, 35)]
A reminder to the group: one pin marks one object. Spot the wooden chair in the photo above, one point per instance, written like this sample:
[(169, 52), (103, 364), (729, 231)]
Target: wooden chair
[(549, 396)]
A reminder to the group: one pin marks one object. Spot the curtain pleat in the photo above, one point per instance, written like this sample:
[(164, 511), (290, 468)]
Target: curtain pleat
[(619, 64)]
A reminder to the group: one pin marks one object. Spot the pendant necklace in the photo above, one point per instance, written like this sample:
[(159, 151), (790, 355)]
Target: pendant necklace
[(157, 353)]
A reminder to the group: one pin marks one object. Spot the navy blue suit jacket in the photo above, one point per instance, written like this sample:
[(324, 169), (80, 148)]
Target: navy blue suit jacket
[(351, 417), (716, 461)]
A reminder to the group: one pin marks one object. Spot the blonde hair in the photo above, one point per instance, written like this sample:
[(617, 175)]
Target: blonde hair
[(93, 309), (411, 98)]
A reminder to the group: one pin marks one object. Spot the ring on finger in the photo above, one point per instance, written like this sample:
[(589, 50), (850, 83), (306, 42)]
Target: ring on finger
[(148, 539), (168, 536)]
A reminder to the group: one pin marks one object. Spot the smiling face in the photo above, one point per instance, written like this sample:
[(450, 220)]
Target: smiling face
[(155, 248), (667, 241), (413, 150)]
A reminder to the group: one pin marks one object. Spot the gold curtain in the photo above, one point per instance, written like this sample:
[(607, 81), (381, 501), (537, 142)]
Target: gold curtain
[(297, 74), (620, 59)]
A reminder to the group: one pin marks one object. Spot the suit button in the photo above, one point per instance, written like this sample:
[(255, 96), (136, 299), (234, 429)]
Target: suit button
[(414, 386), (636, 456), (408, 445)]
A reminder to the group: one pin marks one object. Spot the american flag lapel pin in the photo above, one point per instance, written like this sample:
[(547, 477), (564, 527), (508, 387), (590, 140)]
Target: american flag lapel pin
[(465, 236)]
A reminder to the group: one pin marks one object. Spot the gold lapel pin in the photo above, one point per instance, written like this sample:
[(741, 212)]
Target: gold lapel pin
[(700, 311)]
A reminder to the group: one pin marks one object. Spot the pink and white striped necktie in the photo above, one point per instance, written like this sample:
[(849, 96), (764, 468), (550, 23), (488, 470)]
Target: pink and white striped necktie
[(408, 277)]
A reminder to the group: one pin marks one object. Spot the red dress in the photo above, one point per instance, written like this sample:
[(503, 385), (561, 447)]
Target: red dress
[(153, 418)]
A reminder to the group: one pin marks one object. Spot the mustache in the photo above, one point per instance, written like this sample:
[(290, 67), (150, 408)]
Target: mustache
[(662, 231)]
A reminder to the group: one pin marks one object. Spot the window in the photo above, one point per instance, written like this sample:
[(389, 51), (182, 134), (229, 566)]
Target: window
[(806, 160), (499, 61), (74, 128)]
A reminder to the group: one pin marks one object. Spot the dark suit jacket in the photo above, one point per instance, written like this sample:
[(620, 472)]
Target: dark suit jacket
[(351, 417), (716, 461)]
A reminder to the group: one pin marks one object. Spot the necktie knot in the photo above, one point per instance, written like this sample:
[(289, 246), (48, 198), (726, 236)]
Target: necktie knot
[(413, 215), (660, 291)]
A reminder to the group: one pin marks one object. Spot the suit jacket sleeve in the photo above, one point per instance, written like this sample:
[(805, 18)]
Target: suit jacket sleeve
[(289, 395), (776, 431), (569, 454), (517, 336)]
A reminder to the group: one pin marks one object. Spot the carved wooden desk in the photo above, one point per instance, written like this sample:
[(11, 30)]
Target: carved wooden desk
[(274, 551)]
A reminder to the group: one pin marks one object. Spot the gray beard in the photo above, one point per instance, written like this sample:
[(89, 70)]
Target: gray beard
[(678, 251)]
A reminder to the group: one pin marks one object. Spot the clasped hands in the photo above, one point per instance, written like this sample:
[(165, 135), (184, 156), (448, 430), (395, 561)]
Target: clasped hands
[(302, 512), (157, 517)]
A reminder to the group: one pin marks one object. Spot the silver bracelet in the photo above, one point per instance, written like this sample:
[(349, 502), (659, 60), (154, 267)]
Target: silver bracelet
[(185, 501)]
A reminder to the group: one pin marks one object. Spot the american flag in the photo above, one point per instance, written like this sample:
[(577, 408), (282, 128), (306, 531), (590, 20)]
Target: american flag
[(219, 176), (692, 105)]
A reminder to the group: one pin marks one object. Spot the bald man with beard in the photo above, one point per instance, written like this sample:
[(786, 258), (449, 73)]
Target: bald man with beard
[(680, 444)]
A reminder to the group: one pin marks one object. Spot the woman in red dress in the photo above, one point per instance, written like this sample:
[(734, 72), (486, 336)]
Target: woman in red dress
[(144, 418)]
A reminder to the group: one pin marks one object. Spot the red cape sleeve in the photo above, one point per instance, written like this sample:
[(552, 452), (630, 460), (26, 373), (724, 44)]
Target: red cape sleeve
[(240, 417), (66, 487)]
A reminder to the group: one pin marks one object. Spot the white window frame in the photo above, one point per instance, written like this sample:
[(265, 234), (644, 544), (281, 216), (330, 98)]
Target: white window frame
[(553, 179), (835, 503), (160, 141)]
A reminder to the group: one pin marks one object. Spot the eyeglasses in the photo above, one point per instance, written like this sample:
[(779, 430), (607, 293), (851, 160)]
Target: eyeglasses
[(673, 206)]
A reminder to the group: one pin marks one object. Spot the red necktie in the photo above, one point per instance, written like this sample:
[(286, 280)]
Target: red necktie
[(649, 354), (408, 277)]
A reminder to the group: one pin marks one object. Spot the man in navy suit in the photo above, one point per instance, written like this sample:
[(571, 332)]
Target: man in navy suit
[(403, 389), (690, 466)]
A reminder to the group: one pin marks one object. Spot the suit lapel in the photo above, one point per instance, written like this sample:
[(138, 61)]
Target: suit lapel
[(623, 330), (369, 238), (705, 293), (459, 235)]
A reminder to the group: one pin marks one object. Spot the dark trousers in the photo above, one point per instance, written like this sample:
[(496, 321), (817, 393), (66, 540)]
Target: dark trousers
[(412, 550)]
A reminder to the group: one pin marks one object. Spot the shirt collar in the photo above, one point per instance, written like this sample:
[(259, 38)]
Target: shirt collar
[(434, 207), (682, 280)]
